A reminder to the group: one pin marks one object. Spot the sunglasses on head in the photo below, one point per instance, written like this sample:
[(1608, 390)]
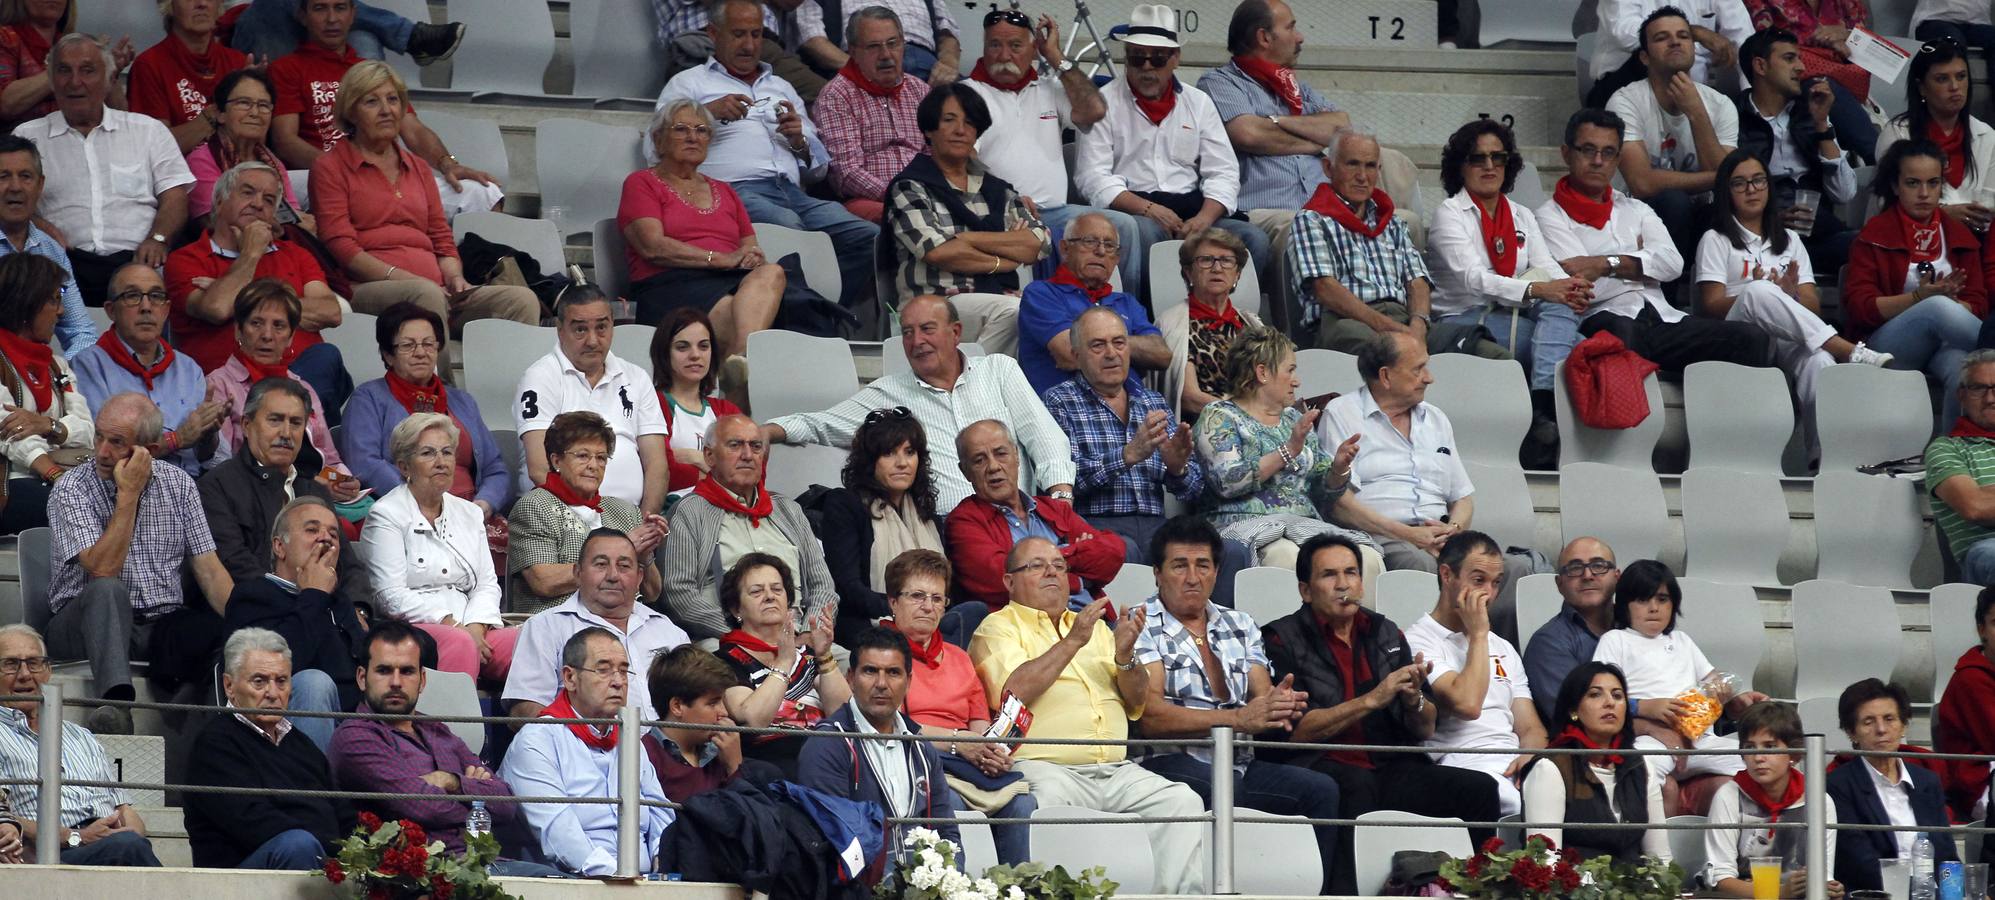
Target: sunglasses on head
[(882, 415), (1007, 16)]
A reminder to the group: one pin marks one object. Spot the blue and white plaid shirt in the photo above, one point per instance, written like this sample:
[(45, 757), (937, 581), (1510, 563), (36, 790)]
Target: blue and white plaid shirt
[(676, 17), (1376, 269), (1235, 641), (1104, 485)]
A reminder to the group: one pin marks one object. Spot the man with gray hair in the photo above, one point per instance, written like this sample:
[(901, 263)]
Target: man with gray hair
[(112, 197), (243, 494), (1960, 473), (255, 748), (241, 244), (868, 110), (122, 530), (300, 600), (21, 184), (932, 53)]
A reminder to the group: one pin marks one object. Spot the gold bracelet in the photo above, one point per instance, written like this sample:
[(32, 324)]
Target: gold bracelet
[(996, 263), (827, 661)]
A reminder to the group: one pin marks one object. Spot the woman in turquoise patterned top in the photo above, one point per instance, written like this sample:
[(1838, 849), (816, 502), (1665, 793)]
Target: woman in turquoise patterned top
[(1266, 467)]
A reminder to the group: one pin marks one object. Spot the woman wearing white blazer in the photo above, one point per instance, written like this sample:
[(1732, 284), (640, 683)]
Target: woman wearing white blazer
[(427, 555)]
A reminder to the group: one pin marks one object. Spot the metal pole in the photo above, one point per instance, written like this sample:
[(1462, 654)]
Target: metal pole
[(48, 825), (1222, 810), (1816, 802), (629, 786)]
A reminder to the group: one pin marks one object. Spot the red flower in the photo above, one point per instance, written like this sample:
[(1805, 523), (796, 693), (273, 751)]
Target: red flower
[(1493, 845), (1569, 856), (1445, 884), (441, 890), (370, 821), (334, 873), (1568, 877), (1474, 868), (377, 893), (1531, 875)]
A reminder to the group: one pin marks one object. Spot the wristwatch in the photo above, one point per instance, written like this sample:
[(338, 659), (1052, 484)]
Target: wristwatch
[(1126, 666), (160, 238), (75, 838), (1067, 496), (1613, 264), (1065, 66)]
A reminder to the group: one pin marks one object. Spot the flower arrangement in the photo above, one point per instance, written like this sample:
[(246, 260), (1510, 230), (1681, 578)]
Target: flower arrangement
[(395, 861), (1540, 871), (928, 872)]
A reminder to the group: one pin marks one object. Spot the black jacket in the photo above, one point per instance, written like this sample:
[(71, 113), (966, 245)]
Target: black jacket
[(1756, 137), (321, 628), (742, 834), (1586, 804), (1296, 647), (842, 768), (225, 828), (1857, 803), (241, 498)]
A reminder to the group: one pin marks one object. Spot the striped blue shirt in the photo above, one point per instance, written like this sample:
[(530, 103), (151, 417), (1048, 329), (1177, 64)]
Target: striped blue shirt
[(83, 759)]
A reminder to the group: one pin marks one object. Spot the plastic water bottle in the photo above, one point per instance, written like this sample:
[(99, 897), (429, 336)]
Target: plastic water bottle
[(479, 821), (1923, 887)]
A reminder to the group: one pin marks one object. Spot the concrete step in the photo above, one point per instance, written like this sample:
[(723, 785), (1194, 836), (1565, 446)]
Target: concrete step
[(166, 827)]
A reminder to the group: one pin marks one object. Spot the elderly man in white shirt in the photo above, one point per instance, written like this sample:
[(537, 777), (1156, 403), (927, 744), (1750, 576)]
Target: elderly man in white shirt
[(582, 374), (1161, 153), (606, 575), (947, 392), (116, 188), (1718, 27), (765, 144)]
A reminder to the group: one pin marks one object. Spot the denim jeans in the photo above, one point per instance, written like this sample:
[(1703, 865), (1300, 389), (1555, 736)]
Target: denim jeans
[(1014, 842), (123, 848), (1266, 787), (1133, 262), (325, 370), (520, 868), (1932, 336), (960, 621), (1136, 532), (917, 61), (313, 691), (1977, 562), (779, 201), (1545, 336), (269, 28), (290, 851)]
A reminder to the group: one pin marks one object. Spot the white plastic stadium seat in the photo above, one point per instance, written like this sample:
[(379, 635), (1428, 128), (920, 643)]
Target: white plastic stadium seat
[(1842, 634), (496, 353), (793, 469), (511, 451), (135, 19), (1265, 593), (1688, 846), (1275, 859), (1632, 448), (1529, 192), (1322, 371), (816, 254), (790, 372), (1818, 716), (633, 344), (616, 50), (507, 47), (354, 336), (1503, 507), (1734, 525), (474, 140), (33, 550), (581, 166), (1167, 284), (609, 265), (414, 11), (538, 238), (1372, 846), (1738, 417), (453, 694), (1950, 608), (1407, 594), (893, 354), (1538, 601), (1868, 528), (1488, 402), (979, 848), (1622, 507), (1124, 849), (1725, 621), (1866, 414), (1134, 584)]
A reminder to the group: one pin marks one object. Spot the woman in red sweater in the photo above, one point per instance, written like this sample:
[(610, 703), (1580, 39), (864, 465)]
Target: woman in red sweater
[(1915, 286), (1964, 721), (682, 369)]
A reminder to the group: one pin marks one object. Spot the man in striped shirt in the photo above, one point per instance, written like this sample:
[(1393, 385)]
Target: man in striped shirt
[(1960, 473)]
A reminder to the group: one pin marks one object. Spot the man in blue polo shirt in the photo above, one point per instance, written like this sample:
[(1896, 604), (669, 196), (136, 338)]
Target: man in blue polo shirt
[(1089, 253)]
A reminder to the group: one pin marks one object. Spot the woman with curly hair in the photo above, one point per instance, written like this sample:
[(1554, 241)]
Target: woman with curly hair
[(885, 508)]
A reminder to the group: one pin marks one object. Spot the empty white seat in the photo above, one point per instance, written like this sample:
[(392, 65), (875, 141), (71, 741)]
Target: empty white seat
[(1950, 608), (1529, 191), (1819, 716), (121, 18), (1688, 846), (1134, 584), (1323, 371), (793, 469), (496, 353), (790, 372), (1275, 859), (1632, 448), (1372, 846), (511, 451), (1265, 593), (1407, 594), (1503, 507), (35, 549), (538, 238), (1488, 401), (815, 253), (581, 166), (893, 355), (1538, 601), (453, 694), (1621, 506), (1734, 525), (979, 848), (1122, 848), (1738, 417), (616, 50), (354, 336), (633, 343), (608, 260), (1725, 621), (507, 47), (1865, 414), (1168, 290), (1868, 528), (1843, 633), (474, 140)]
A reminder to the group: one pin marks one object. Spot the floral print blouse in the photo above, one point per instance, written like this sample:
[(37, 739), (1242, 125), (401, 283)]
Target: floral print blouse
[(1231, 443)]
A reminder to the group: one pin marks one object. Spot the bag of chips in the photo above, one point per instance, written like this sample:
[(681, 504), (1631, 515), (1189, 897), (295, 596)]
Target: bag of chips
[(1705, 702)]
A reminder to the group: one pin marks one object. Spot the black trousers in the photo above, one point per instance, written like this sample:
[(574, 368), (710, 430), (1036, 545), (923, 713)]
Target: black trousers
[(1674, 345), (93, 273), (1409, 785)]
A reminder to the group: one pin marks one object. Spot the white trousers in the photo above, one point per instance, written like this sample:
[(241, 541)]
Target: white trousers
[(1178, 850), (1798, 335), (989, 319), (1692, 766)]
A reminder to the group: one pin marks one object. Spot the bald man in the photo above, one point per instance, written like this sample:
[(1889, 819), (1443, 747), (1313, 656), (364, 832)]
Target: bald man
[(1587, 575)]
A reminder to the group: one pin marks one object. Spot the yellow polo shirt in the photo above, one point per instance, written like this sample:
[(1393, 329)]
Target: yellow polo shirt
[(1081, 703)]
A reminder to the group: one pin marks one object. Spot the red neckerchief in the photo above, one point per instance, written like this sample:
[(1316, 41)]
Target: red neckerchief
[(1577, 735), (1751, 788), (566, 493), (122, 355), (1159, 109), (1499, 235), (853, 74), (1963, 428), (979, 73), (1279, 80), (713, 493), (562, 709), (1325, 202), (1583, 209), (419, 398), (748, 641), (1954, 146), (200, 65), (1924, 240), (33, 45), (931, 655), (1203, 313), (36, 363), (259, 372), (1066, 276)]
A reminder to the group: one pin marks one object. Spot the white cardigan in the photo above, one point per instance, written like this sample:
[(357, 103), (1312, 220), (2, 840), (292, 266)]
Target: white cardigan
[(423, 572), (68, 407)]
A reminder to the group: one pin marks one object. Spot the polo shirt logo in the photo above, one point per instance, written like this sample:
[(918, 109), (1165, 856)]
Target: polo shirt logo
[(1496, 663), (629, 408)]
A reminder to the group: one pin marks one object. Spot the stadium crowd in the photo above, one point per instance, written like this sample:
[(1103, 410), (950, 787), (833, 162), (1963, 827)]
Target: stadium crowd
[(228, 507)]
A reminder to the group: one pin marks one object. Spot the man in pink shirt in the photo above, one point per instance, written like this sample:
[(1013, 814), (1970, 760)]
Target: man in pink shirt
[(868, 113)]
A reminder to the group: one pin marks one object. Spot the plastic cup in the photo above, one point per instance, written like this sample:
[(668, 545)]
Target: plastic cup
[(1766, 877), (1976, 881), (1807, 202), (1896, 875)]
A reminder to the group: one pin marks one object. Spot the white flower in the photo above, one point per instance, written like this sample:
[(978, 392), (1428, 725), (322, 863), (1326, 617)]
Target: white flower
[(926, 877), (919, 835), (954, 883), (987, 889), (1014, 893), (929, 858)]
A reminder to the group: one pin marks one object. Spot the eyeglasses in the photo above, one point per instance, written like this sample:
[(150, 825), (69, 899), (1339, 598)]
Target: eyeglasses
[(14, 664), (1577, 568), (924, 598), (1497, 158), (1933, 46), (1040, 566), (681, 129), (1976, 389), (606, 670), (427, 454), (1007, 16), (417, 346), (1215, 262), (246, 104), (1093, 244), (1150, 60), (1755, 183), (890, 413), (588, 456), (1601, 154), (154, 297)]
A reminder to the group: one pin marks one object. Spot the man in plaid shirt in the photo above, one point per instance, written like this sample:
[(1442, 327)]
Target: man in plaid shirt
[(1128, 446), (867, 113)]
